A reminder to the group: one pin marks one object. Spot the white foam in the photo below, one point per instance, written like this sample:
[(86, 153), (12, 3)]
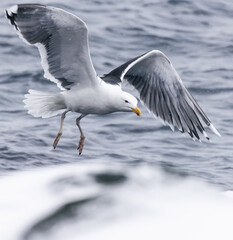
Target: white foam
[(149, 205)]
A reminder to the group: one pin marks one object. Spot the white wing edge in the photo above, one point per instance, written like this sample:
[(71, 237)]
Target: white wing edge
[(139, 59), (45, 65), (41, 48), (212, 127)]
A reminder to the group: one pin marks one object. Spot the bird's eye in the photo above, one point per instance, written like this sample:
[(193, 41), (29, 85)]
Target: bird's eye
[(126, 101)]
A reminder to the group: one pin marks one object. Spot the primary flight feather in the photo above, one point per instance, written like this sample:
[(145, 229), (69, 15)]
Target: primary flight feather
[(62, 40)]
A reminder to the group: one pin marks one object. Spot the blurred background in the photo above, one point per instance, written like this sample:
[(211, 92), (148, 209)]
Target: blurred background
[(136, 178)]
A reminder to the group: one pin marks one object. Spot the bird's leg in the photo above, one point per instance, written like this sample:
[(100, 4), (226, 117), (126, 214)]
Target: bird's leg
[(82, 137), (60, 130)]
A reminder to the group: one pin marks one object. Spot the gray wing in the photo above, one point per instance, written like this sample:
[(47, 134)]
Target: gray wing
[(162, 92), (61, 39)]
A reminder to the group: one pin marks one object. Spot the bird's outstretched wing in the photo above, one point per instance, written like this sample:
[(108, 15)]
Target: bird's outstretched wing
[(162, 92), (62, 41)]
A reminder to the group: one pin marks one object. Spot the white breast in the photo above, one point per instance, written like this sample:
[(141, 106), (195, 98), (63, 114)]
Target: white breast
[(102, 99)]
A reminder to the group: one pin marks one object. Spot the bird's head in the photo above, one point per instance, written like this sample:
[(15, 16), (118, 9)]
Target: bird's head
[(129, 103)]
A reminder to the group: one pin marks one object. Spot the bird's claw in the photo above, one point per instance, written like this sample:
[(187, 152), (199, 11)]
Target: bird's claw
[(81, 144), (57, 140)]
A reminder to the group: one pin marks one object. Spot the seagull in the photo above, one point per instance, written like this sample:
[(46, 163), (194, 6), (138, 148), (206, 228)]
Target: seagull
[(62, 40)]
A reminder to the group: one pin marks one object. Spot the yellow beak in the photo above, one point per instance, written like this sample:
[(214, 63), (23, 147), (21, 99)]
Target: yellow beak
[(137, 111)]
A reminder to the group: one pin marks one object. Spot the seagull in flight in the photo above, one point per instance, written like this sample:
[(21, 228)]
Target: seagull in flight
[(62, 40)]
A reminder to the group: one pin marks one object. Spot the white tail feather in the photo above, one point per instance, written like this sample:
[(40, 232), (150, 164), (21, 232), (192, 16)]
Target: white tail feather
[(42, 104)]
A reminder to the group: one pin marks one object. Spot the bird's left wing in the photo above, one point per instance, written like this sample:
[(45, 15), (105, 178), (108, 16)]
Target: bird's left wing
[(162, 92), (62, 40)]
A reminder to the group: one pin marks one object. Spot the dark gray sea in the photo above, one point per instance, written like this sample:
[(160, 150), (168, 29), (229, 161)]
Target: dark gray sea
[(136, 179)]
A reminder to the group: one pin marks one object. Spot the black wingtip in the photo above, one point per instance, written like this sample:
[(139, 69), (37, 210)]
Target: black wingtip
[(12, 17)]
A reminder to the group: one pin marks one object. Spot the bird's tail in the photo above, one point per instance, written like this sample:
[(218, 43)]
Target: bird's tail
[(43, 104)]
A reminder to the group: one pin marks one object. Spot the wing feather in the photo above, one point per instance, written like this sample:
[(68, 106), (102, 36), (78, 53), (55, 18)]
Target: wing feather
[(61, 39), (162, 92)]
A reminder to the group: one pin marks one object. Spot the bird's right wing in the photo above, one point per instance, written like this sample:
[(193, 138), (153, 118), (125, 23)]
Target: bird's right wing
[(62, 40), (162, 92)]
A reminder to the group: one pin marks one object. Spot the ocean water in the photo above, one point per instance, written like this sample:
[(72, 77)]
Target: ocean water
[(136, 178)]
